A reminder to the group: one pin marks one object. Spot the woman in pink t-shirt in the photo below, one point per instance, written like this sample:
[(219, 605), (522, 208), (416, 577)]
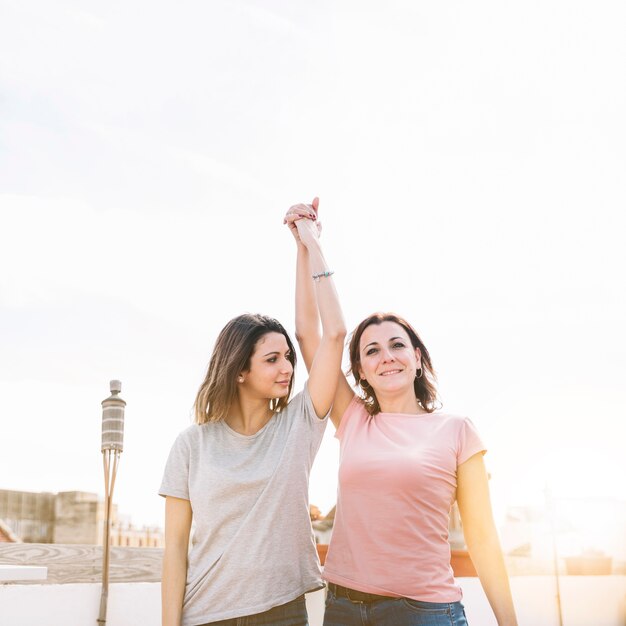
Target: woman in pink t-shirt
[(402, 465)]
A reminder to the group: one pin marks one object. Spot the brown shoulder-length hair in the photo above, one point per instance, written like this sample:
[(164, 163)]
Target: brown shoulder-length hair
[(231, 356), (425, 390)]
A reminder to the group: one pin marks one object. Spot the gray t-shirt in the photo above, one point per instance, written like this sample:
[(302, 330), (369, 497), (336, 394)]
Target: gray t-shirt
[(253, 546)]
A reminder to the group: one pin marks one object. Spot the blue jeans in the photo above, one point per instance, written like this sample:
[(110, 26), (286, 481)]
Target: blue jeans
[(341, 611), (291, 614)]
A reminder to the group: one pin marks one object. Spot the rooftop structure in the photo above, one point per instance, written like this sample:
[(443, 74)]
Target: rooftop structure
[(69, 517)]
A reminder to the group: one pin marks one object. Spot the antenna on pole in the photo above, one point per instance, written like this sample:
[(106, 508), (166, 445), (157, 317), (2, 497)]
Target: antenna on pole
[(112, 447)]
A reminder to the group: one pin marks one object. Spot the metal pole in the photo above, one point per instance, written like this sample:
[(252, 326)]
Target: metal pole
[(555, 555)]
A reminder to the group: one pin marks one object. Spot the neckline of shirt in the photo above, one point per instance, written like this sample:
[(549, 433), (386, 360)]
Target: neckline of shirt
[(392, 414), (241, 436)]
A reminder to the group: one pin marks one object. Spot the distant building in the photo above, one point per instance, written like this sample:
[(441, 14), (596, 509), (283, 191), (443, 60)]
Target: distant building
[(30, 516), (572, 527), (78, 518), (69, 517), (7, 535), (123, 533)]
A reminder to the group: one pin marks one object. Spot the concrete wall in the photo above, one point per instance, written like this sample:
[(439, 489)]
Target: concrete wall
[(130, 604), (586, 601)]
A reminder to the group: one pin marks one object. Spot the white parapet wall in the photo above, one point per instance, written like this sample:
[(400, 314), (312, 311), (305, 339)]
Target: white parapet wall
[(586, 601), (77, 604)]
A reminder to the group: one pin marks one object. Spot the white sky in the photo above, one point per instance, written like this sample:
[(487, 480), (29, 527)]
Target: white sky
[(471, 164)]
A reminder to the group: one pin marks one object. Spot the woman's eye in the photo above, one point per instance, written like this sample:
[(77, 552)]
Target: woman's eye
[(370, 351), (272, 360), (398, 345)]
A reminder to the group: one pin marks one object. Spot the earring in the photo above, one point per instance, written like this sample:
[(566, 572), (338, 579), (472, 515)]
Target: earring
[(421, 372), (364, 384), (240, 379)]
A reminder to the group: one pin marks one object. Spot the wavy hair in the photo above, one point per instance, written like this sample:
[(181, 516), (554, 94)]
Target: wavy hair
[(231, 356), (425, 389)]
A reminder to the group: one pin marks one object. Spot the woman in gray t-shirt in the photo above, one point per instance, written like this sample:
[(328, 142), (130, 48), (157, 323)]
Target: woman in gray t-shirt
[(241, 472)]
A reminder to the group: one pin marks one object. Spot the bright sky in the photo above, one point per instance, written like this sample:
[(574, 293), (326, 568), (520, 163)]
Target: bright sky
[(470, 159)]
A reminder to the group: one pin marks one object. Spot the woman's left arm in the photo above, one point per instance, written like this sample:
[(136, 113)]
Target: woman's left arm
[(482, 538)]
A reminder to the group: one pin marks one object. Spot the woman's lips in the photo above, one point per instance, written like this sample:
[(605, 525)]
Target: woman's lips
[(390, 372)]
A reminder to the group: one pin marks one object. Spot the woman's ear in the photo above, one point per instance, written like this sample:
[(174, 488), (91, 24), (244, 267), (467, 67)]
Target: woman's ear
[(418, 357)]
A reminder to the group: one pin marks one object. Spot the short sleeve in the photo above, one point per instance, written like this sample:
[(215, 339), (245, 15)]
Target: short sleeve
[(176, 475), (309, 409), (355, 407), (469, 443)]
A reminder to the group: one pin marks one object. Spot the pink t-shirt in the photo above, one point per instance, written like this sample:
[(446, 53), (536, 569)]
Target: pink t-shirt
[(397, 482)]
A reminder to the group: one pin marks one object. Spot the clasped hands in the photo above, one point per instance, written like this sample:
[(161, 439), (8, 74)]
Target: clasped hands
[(303, 224)]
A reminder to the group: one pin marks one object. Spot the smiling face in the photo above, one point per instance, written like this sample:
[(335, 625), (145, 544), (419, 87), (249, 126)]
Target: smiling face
[(388, 361), (270, 370), (385, 354)]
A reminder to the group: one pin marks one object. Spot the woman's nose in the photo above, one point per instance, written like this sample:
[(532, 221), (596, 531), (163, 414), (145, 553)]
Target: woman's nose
[(387, 356)]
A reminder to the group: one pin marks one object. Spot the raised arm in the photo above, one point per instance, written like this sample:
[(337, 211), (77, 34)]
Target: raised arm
[(308, 331), (310, 262), (482, 538)]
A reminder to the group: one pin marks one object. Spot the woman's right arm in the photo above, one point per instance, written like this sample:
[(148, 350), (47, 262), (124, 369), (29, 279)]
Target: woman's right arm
[(177, 528), (307, 311)]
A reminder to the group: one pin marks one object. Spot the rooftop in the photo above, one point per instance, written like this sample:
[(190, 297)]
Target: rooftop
[(71, 591)]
